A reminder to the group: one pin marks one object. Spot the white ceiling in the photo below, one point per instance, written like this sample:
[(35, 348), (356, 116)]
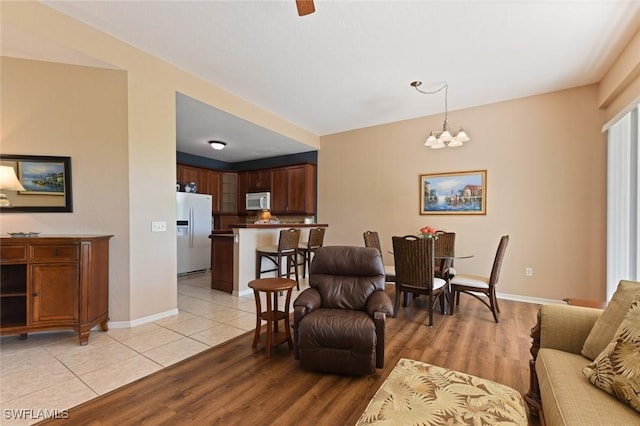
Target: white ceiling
[(349, 64)]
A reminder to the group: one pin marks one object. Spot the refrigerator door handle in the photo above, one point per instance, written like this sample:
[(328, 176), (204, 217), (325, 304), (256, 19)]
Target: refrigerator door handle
[(191, 227)]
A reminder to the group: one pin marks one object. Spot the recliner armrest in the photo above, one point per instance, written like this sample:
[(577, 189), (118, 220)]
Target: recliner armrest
[(379, 301), (309, 299)]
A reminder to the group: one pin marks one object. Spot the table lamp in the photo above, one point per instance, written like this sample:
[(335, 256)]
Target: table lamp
[(8, 180)]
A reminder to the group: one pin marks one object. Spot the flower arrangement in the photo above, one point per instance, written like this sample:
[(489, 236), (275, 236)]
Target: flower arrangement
[(428, 232)]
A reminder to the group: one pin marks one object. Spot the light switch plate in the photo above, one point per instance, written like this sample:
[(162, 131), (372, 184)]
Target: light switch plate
[(158, 226)]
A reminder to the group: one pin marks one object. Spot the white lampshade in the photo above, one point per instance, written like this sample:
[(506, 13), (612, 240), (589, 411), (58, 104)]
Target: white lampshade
[(454, 143), (462, 136), (9, 180), (445, 136), (438, 144), (430, 140)]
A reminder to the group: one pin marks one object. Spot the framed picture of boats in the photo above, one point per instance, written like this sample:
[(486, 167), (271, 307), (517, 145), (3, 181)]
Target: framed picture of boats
[(45, 180), (41, 177), (454, 193)]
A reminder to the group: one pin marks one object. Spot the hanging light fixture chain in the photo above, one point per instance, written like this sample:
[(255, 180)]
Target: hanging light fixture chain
[(444, 138), (445, 126), (416, 84)]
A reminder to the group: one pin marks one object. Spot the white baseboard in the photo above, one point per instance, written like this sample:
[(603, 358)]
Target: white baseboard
[(143, 320), (246, 292), (161, 315), (527, 299)]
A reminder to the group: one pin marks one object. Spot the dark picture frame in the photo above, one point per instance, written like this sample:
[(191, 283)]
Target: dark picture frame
[(459, 193), (47, 183)]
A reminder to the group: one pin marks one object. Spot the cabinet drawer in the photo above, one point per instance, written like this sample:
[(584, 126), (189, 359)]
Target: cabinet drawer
[(13, 252), (55, 252)]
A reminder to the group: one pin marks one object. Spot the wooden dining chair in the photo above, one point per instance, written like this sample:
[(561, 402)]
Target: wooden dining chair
[(315, 241), (414, 262), (371, 239), (286, 251), (477, 286), (444, 252)]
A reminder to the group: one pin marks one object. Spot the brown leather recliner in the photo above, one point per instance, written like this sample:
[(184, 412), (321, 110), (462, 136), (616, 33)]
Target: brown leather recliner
[(339, 321)]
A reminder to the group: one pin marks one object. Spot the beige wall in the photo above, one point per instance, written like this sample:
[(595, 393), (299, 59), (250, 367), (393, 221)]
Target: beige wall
[(80, 112), (544, 155), (149, 275), (545, 159)]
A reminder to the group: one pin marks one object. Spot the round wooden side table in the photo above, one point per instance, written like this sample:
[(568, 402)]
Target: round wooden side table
[(271, 287)]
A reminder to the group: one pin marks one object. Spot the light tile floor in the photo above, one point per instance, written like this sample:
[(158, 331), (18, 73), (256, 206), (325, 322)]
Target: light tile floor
[(50, 372)]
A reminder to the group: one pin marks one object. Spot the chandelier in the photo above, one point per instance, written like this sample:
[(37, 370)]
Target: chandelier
[(446, 137)]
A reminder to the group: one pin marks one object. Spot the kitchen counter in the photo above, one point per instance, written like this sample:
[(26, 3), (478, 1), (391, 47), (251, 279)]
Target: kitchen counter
[(246, 238), (278, 225)]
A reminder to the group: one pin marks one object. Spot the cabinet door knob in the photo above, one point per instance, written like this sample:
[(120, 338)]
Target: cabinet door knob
[(57, 252), (34, 294)]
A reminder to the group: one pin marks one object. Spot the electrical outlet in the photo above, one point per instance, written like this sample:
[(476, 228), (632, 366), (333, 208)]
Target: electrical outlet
[(158, 226), (528, 272)]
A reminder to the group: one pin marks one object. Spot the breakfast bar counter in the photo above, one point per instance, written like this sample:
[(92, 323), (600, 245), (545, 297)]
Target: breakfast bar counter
[(246, 238), (279, 226)]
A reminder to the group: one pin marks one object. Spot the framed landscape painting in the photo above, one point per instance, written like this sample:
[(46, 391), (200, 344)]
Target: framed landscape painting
[(454, 193), (46, 181)]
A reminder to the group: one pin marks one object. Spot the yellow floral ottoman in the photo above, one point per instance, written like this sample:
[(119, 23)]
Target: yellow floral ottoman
[(416, 393)]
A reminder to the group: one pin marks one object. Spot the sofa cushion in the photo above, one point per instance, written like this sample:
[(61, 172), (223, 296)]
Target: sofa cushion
[(568, 398), (606, 326), (617, 369)]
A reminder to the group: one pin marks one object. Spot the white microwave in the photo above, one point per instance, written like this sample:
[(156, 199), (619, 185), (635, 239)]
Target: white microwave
[(258, 201)]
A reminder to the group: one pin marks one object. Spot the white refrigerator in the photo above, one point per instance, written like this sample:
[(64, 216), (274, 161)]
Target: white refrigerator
[(192, 231)]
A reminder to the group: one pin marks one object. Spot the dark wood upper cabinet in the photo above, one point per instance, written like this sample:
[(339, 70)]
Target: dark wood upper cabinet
[(259, 180), (187, 174), (214, 186), (293, 189)]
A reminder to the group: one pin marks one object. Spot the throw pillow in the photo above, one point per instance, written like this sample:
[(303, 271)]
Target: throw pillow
[(617, 369), (605, 327)]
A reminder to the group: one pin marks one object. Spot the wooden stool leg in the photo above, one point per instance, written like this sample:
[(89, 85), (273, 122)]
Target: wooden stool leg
[(256, 335), (275, 310), (287, 327), (269, 324), (258, 265)]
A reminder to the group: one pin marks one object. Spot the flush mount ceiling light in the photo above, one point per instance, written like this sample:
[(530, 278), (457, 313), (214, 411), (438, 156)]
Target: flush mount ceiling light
[(441, 138), (217, 145)]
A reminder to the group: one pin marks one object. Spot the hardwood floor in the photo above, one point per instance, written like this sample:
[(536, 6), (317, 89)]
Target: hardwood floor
[(232, 384)]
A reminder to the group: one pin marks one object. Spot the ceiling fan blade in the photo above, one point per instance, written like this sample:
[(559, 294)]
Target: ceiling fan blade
[(305, 7)]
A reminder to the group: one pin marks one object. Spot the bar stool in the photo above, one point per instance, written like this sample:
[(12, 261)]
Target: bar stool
[(287, 250), (271, 287), (316, 239)]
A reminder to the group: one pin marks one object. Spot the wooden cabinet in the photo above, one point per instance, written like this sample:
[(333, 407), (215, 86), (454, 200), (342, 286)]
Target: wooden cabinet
[(223, 189), (50, 283), (222, 186), (213, 184), (228, 192), (186, 174), (259, 180), (243, 188), (222, 261), (293, 190)]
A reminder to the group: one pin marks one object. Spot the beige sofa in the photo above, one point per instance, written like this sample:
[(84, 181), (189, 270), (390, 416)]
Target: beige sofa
[(560, 394)]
